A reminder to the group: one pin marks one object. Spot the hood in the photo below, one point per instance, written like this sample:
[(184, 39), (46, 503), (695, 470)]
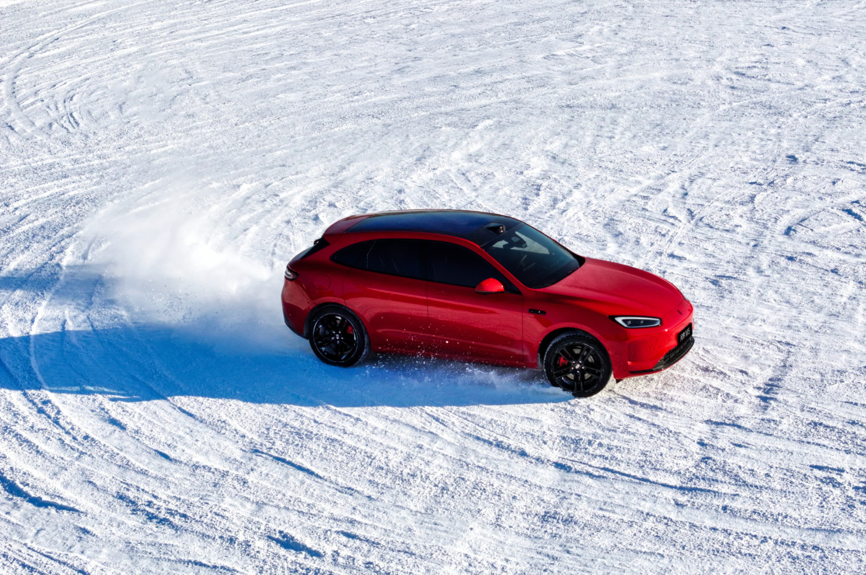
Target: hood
[(617, 289)]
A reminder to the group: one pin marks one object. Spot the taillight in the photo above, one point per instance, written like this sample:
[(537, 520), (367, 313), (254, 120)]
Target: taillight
[(290, 274)]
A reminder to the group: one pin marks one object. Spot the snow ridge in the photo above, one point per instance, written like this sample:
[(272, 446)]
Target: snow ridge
[(161, 161)]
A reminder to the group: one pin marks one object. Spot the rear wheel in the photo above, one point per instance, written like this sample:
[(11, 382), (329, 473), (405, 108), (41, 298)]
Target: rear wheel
[(577, 363), (338, 337)]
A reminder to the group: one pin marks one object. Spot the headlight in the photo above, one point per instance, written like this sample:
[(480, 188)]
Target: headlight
[(633, 322), (290, 274)]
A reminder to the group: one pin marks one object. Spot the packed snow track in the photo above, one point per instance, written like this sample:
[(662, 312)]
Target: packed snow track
[(160, 162)]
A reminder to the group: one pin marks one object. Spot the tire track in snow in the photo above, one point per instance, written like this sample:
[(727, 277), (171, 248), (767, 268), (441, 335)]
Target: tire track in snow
[(305, 113), (14, 63)]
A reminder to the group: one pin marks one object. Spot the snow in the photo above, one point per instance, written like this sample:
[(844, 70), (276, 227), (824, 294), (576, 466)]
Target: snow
[(161, 161)]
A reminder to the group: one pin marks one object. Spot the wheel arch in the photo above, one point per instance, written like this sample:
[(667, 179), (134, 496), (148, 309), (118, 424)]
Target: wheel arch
[(312, 313)]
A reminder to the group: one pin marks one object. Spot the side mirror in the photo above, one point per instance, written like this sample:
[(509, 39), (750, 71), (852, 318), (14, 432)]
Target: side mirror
[(490, 285)]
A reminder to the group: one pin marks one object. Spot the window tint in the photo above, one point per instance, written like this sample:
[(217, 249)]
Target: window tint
[(397, 258), (354, 256), (459, 266), (534, 259)]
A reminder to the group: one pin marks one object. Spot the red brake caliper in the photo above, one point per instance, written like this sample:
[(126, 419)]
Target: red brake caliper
[(562, 361)]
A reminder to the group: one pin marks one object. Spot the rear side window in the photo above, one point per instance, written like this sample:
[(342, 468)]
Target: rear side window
[(404, 258), (354, 256), (455, 265)]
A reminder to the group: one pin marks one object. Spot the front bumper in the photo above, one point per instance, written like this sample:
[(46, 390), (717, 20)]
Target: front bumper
[(671, 357), (655, 349)]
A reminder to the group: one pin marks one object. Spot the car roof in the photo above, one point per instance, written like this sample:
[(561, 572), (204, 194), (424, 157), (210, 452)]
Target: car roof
[(477, 227)]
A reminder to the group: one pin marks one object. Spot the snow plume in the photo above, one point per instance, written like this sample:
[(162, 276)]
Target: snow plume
[(169, 260)]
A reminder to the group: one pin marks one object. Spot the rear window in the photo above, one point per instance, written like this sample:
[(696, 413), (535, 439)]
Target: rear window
[(318, 245)]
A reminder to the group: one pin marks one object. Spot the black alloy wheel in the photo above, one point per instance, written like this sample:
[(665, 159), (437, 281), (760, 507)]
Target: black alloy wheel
[(577, 363), (338, 337)]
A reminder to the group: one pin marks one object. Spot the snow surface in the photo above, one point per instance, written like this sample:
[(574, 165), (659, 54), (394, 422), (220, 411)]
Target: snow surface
[(160, 161)]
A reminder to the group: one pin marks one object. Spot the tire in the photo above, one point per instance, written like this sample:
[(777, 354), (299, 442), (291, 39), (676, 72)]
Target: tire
[(577, 363), (338, 337)]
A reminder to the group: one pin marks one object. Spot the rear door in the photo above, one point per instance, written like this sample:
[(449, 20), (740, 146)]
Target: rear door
[(387, 290), (464, 323)]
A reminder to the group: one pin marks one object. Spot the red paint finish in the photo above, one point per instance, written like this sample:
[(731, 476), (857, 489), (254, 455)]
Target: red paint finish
[(421, 316), (466, 324), (393, 309), (490, 285)]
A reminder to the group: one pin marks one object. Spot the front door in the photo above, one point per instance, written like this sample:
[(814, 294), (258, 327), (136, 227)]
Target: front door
[(464, 323)]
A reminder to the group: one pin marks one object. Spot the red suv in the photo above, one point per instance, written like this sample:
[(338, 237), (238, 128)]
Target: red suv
[(481, 287)]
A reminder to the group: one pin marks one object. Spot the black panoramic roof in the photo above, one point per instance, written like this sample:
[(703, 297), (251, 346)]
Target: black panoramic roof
[(477, 227)]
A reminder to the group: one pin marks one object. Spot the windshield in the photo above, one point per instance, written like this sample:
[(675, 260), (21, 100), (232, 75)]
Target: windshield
[(535, 260)]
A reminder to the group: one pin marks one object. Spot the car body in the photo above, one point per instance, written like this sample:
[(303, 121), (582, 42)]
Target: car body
[(415, 282)]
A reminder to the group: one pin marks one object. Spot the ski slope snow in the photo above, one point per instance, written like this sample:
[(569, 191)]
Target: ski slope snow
[(161, 161)]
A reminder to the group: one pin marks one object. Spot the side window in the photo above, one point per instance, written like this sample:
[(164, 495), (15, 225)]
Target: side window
[(354, 256), (403, 258), (452, 264)]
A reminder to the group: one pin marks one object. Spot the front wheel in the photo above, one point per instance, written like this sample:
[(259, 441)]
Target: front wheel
[(338, 337), (577, 363)]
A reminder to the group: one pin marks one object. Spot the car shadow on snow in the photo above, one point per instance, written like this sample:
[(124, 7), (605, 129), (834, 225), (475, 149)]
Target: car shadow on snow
[(151, 362)]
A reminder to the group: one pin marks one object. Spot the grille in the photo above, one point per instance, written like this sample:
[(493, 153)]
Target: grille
[(675, 354)]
